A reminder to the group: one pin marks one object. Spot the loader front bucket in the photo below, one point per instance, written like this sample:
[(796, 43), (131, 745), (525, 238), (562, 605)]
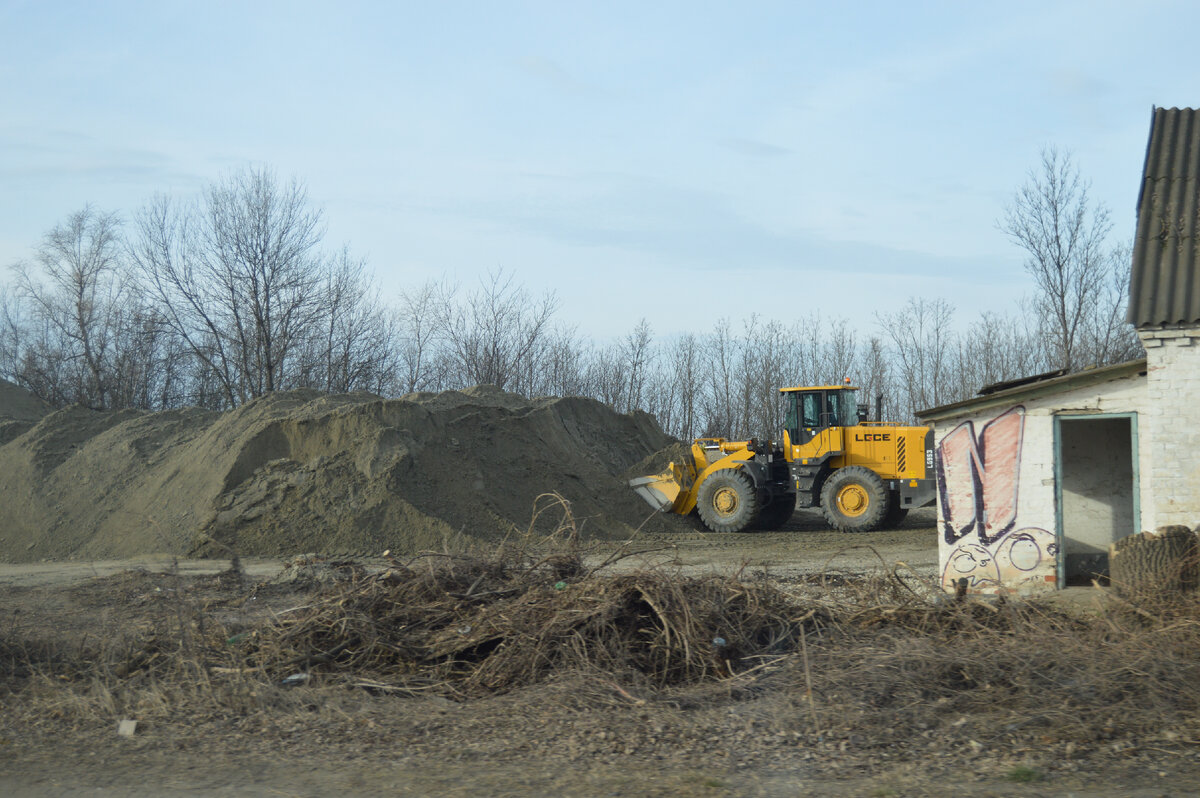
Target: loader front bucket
[(663, 491)]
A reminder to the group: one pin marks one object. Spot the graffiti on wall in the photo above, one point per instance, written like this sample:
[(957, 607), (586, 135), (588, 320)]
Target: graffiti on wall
[(978, 476)]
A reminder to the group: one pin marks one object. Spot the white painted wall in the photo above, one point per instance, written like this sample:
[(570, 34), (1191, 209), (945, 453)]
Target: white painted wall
[(1016, 547)]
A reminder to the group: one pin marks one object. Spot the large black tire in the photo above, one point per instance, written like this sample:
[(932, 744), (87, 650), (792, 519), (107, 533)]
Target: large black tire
[(727, 501), (895, 514), (777, 513), (854, 499)]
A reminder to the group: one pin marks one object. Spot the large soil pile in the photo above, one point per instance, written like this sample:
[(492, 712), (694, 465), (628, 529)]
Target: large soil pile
[(19, 409), (302, 471)]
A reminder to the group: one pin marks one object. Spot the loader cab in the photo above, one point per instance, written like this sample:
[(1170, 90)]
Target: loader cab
[(810, 410)]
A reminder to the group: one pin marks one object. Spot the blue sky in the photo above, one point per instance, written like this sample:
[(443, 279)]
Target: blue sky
[(674, 161)]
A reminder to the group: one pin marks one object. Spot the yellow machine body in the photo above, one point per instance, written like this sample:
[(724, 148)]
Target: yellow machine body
[(882, 469), (674, 490), (893, 452)]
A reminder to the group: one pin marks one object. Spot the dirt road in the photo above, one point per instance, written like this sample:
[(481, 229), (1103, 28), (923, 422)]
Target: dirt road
[(806, 545)]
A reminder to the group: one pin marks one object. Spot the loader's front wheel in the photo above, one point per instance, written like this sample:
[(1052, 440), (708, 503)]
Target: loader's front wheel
[(727, 501), (854, 499)]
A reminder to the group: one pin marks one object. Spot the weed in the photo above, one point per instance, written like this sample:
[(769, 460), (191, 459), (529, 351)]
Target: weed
[(1024, 774)]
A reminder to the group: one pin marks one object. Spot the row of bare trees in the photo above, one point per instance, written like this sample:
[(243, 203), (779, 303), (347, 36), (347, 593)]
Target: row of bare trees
[(229, 296), (211, 303)]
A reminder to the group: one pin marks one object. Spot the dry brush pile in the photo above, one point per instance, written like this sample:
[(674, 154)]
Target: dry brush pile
[(468, 625)]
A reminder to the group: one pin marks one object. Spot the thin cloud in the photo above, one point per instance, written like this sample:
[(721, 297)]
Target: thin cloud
[(755, 149), (553, 74), (1076, 85), (48, 163)]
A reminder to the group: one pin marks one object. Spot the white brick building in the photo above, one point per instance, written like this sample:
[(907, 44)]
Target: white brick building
[(1037, 477)]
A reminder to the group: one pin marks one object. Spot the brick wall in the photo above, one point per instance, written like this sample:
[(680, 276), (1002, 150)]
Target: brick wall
[(1170, 428)]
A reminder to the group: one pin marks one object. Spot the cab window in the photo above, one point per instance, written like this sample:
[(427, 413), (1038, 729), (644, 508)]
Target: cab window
[(810, 412), (843, 408)]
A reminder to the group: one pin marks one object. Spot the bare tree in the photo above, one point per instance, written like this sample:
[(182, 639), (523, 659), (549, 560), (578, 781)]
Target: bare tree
[(636, 353), (562, 372), (12, 333), (418, 337), (813, 353), (1107, 337), (746, 369), (921, 338), (32, 353), (497, 334), (237, 277), (606, 376), (842, 353), (1052, 217), (720, 355), (765, 350), (875, 375), (999, 347), (75, 298), (685, 373), (148, 362), (352, 344)]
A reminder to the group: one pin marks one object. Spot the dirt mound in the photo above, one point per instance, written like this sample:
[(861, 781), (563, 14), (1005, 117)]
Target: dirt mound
[(303, 471), (19, 410), (677, 452), (19, 404)]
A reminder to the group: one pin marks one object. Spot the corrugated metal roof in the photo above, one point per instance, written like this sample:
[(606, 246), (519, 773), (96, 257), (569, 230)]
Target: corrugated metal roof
[(1033, 390), (1004, 385), (1164, 286)]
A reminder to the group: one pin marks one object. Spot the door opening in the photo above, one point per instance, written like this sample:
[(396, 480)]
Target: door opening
[(1097, 492)]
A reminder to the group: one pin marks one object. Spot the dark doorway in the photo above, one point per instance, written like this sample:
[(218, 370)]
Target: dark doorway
[(1097, 491)]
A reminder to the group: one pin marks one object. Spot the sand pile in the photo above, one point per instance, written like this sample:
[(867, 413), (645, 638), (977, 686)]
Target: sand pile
[(19, 410), (302, 471)]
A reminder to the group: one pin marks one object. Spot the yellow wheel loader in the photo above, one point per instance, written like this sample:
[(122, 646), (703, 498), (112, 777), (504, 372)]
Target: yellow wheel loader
[(863, 474)]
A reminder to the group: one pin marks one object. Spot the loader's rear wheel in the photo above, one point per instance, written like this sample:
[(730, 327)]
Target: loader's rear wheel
[(854, 499), (777, 513), (727, 501)]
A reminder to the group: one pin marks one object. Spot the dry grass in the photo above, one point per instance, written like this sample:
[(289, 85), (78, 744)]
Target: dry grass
[(883, 661), (1015, 673)]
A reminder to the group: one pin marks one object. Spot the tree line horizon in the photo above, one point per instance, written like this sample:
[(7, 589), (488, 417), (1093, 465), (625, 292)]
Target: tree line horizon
[(218, 299)]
